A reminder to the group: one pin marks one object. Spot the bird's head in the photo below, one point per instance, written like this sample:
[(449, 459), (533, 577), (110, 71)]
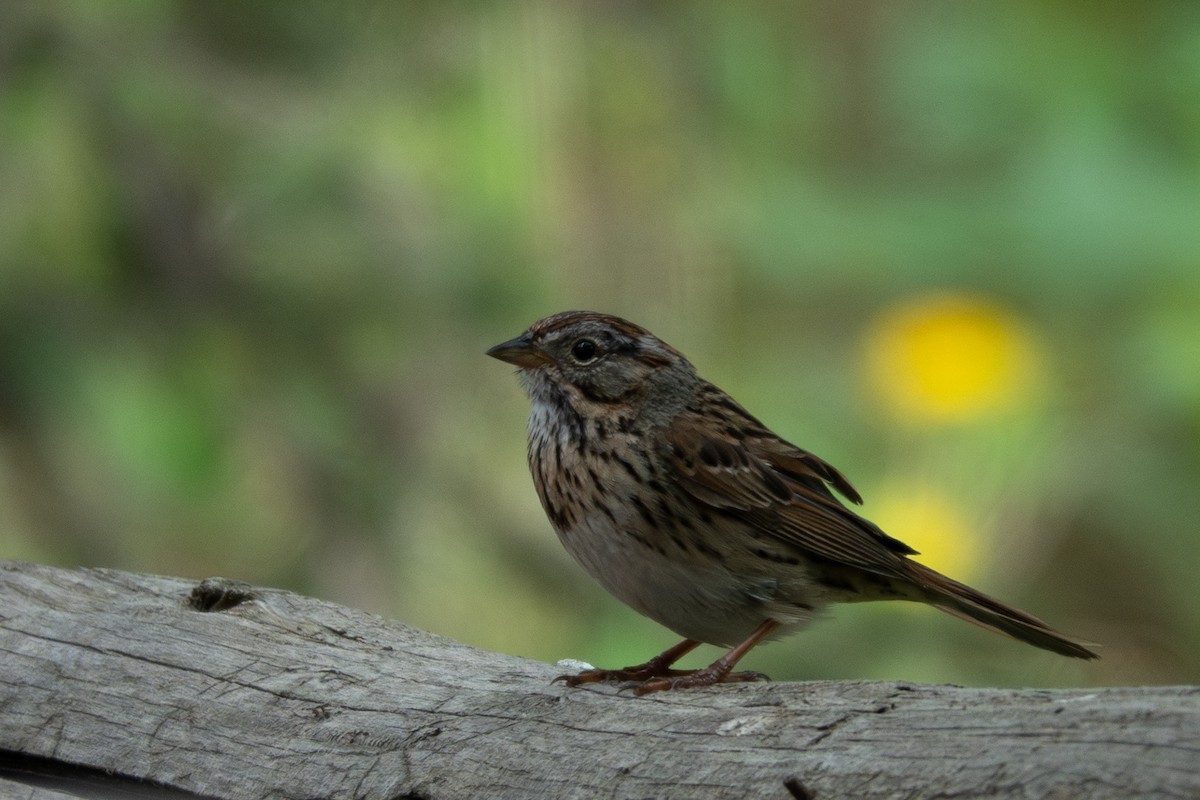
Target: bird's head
[(600, 365)]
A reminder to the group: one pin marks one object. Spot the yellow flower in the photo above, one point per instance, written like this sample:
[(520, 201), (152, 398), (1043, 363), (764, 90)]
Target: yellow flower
[(931, 522), (950, 358)]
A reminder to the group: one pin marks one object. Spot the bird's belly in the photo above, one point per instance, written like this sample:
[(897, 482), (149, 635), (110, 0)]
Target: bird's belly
[(712, 595)]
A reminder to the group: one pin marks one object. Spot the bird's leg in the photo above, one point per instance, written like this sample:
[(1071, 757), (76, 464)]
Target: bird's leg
[(717, 672), (657, 667)]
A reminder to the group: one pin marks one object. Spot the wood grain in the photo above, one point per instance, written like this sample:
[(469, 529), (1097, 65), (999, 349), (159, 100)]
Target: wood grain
[(221, 690)]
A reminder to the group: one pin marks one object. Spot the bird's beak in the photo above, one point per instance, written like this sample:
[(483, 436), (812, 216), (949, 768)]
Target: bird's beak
[(521, 352)]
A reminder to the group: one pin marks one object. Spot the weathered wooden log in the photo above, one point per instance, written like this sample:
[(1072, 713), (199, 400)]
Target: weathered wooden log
[(118, 684)]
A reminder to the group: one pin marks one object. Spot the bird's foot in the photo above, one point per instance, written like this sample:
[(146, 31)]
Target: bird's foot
[(638, 674), (657, 667), (694, 679)]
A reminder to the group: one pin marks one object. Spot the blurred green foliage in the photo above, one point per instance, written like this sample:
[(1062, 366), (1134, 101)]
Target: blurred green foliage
[(251, 255)]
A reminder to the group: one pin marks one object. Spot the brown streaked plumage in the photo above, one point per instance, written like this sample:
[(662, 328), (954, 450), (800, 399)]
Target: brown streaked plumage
[(691, 511)]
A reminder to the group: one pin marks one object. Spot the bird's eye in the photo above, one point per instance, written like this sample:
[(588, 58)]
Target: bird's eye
[(584, 350)]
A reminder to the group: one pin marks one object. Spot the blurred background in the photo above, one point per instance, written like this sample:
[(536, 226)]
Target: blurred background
[(251, 255)]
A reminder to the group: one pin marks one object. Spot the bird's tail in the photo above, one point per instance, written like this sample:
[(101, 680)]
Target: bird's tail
[(966, 603)]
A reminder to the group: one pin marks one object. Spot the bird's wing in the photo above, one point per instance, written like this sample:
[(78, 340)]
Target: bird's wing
[(778, 488)]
